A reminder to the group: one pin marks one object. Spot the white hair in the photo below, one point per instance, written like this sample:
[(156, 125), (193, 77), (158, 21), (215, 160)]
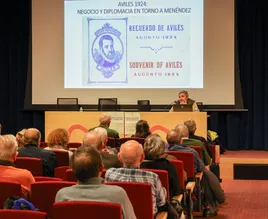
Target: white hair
[(182, 129), (92, 139), (102, 132), (105, 119), (8, 146)]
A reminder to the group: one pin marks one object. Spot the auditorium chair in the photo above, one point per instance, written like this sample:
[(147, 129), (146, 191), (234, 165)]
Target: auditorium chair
[(188, 188), (46, 178), (140, 140), (43, 144), (188, 160), (43, 194), (163, 176), (198, 150), (62, 157), (34, 165), (60, 172), (215, 150), (86, 209), (21, 214), (73, 145), (7, 189), (69, 176), (141, 200)]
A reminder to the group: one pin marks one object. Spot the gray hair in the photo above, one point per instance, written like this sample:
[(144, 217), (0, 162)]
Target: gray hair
[(92, 139), (154, 147), (182, 129), (105, 119), (184, 92), (191, 125), (102, 132), (8, 146)]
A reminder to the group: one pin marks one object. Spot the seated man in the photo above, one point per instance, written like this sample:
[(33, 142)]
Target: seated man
[(191, 125), (131, 155), (212, 188), (94, 139), (105, 121), (87, 166), (8, 172), (193, 142), (32, 139)]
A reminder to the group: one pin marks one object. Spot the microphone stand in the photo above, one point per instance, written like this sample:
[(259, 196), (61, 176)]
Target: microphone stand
[(165, 109)]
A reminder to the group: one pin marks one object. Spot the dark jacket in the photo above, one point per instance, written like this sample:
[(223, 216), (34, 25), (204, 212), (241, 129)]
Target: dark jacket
[(110, 160), (48, 157), (164, 164)]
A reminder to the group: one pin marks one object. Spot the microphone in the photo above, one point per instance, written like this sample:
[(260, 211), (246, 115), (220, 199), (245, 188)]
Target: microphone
[(165, 109)]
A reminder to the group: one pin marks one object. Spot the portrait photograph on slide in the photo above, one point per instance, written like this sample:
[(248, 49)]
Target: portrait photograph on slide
[(133, 44)]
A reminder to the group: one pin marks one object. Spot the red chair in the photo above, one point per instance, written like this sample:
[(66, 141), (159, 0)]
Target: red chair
[(103, 173), (178, 164), (62, 157), (73, 145), (86, 209), (43, 145), (140, 140), (163, 176), (60, 172), (140, 196), (34, 165), (215, 151), (111, 142), (46, 178), (44, 193), (7, 189), (69, 176), (198, 150), (21, 214)]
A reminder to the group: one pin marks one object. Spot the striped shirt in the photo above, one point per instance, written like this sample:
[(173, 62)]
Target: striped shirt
[(134, 174)]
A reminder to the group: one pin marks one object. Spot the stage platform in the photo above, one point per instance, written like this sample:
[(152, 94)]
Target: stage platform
[(229, 158)]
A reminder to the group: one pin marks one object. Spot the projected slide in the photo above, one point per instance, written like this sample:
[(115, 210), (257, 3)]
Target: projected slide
[(133, 44)]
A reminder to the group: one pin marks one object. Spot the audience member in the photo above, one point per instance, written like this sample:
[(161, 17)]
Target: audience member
[(211, 186), (104, 139), (94, 139), (58, 140), (154, 150), (20, 138), (32, 139), (191, 125), (8, 172), (105, 121), (87, 166), (131, 155), (142, 129), (183, 130)]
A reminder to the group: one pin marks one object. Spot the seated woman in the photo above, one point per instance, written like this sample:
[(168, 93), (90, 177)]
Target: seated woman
[(154, 149), (142, 129), (58, 140), (20, 138)]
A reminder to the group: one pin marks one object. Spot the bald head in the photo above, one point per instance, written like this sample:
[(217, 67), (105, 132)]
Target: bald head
[(92, 139), (131, 153), (182, 129), (32, 136), (173, 137)]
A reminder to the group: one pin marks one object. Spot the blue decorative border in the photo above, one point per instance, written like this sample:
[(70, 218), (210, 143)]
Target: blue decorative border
[(89, 54)]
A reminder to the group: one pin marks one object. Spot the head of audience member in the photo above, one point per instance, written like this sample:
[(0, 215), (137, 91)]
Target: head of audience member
[(131, 154), (105, 119), (183, 96), (92, 139), (142, 129), (154, 147), (183, 130), (86, 163), (20, 138), (191, 125), (173, 137), (102, 133), (32, 136), (8, 148), (58, 137)]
